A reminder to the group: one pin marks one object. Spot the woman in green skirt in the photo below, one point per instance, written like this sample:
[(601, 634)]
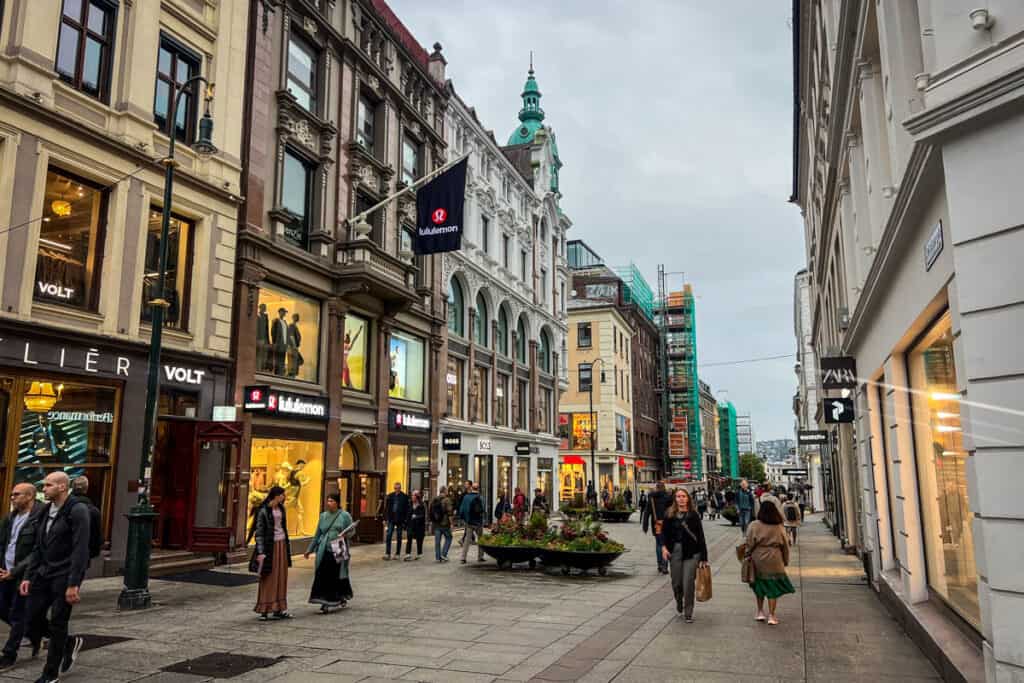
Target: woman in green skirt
[(768, 548)]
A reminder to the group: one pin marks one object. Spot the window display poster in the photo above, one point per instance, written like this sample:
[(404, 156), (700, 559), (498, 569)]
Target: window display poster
[(582, 427), (406, 355), (287, 334), (354, 365), (76, 430), (622, 433)]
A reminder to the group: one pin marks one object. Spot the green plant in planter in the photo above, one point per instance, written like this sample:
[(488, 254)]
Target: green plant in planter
[(583, 535), (731, 514)]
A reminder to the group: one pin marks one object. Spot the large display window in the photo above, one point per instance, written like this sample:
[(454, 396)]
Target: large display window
[(523, 476), (480, 393), (623, 433), (501, 401), (584, 428), (941, 467), (455, 380), (505, 477), (458, 472), (70, 252), (296, 466), (398, 467), (177, 280), (572, 476), (355, 365), (287, 334), (407, 354), (545, 466)]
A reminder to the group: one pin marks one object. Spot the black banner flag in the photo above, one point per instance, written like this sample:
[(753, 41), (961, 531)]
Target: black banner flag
[(439, 212)]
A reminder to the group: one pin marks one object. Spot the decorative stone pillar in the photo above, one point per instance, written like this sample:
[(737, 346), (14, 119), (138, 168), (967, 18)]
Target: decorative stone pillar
[(534, 386), (384, 327), (474, 391), (514, 389), (876, 147), (337, 309), (493, 396)]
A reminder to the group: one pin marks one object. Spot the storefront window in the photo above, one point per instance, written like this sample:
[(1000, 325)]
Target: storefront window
[(419, 471), (501, 401), (70, 252), (406, 367), (354, 361), (941, 464), (523, 476), (398, 467), (287, 334), (298, 467), (606, 477), (65, 424), (458, 471), (455, 381), (178, 278), (505, 476), (571, 478), (584, 427), (544, 469), (544, 411), (564, 430), (481, 394)]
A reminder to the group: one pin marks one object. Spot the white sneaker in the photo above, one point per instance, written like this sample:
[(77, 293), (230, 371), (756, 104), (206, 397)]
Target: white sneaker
[(760, 617)]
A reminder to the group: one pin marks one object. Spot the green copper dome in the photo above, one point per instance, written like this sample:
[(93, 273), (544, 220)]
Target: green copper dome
[(531, 116)]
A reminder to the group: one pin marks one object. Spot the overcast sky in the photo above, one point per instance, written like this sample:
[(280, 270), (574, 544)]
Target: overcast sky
[(673, 120)]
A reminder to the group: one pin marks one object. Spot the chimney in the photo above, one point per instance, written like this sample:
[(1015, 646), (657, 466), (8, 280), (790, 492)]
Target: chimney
[(437, 64)]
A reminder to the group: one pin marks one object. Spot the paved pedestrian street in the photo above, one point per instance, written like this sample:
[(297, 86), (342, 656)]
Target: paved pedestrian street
[(423, 621)]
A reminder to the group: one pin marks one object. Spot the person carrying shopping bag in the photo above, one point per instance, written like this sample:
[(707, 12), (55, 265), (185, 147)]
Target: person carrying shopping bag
[(684, 549), (331, 585)]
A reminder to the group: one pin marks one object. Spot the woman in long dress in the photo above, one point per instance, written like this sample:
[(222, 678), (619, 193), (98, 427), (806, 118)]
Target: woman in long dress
[(768, 549), (273, 556), (331, 586)]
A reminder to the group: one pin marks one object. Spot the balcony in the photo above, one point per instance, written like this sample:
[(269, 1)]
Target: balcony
[(365, 267)]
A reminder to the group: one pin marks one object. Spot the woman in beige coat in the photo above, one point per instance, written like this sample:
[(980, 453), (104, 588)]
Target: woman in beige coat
[(768, 549)]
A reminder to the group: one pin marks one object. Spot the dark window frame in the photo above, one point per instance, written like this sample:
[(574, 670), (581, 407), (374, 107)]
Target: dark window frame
[(579, 336), (417, 147), (307, 219), (106, 41), (186, 296), (312, 90), (179, 52), (368, 142)]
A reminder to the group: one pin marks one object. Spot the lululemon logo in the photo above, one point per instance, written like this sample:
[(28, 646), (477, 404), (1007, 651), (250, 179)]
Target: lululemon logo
[(439, 216)]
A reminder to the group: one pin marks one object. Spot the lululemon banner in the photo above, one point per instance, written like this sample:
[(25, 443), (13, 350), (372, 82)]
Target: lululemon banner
[(439, 206)]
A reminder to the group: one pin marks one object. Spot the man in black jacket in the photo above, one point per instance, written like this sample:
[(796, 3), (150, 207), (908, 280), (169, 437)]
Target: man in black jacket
[(55, 572), (80, 490), (17, 541), (652, 515), (396, 513)]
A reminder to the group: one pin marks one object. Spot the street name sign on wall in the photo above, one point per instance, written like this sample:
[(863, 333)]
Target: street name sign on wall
[(933, 247), (838, 410), (805, 438), (839, 372)]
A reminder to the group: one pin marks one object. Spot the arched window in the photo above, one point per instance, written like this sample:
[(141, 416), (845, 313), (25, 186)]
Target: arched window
[(502, 340), (481, 322), (456, 309), (521, 341), (544, 352)]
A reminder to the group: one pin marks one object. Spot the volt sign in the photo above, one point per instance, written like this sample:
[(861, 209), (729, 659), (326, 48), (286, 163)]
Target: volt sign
[(839, 372), (838, 410)]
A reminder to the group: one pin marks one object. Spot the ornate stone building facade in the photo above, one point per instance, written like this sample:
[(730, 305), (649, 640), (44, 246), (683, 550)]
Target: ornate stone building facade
[(84, 125), (346, 109), (506, 309)]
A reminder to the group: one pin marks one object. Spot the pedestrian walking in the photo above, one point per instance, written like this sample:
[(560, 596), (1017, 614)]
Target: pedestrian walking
[(56, 569), (396, 516), (18, 534), (768, 549), (519, 505), (591, 495), (642, 503), (80, 490), (702, 503), (684, 549), (331, 584), (472, 512), (417, 526), (502, 507), (540, 502), (627, 496), (441, 510), (791, 518), (745, 502), (652, 515), (272, 557)]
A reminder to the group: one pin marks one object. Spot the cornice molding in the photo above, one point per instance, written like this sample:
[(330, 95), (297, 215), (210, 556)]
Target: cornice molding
[(947, 117)]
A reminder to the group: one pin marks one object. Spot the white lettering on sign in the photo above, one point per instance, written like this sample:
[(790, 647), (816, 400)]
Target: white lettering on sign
[(293, 405), (81, 416), (410, 421), (183, 375), (29, 361), (483, 445), (90, 360), (122, 364), (55, 290)]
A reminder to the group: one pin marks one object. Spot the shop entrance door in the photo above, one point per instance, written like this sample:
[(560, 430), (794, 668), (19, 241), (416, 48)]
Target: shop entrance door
[(485, 480), (195, 484), (361, 495)]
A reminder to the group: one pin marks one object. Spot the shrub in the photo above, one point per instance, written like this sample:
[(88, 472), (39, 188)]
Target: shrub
[(731, 514)]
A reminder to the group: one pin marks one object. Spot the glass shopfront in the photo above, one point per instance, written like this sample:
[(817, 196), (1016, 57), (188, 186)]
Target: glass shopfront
[(298, 467), (407, 355), (605, 477), (523, 476), (455, 381), (941, 466), (572, 478), (355, 365), (408, 466), (545, 466), (287, 334), (458, 471), (505, 477)]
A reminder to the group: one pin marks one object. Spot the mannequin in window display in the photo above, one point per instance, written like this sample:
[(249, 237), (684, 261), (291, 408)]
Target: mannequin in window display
[(292, 479), (279, 341), (262, 338), (295, 359), (48, 439), (350, 341)]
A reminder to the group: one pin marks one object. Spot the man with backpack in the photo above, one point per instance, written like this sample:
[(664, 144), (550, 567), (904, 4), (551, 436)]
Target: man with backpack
[(791, 518), (55, 573), (80, 489), (472, 513), (441, 517)]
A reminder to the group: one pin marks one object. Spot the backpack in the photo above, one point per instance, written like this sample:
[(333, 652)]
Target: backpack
[(437, 511), (792, 512), (476, 509), (95, 530)]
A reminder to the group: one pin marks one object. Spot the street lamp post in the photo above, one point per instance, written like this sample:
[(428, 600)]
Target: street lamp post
[(593, 421), (135, 594)]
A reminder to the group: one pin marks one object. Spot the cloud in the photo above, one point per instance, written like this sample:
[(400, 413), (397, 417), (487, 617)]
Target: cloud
[(674, 123)]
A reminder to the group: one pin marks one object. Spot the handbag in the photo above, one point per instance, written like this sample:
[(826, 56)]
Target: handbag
[(703, 583), (748, 574)]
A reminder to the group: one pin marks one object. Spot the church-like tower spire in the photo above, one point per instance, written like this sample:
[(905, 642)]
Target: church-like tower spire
[(531, 116)]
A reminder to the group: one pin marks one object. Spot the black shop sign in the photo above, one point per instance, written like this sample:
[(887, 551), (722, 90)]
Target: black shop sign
[(263, 400), (451, 441)]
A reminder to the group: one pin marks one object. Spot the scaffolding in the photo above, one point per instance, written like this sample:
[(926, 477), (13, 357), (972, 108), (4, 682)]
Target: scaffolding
[(680, 386), (636, 290), (727, 441)]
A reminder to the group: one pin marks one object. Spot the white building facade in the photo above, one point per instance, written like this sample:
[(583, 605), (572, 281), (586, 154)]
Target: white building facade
[(910, 132), (506, 311), (807, 399)]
